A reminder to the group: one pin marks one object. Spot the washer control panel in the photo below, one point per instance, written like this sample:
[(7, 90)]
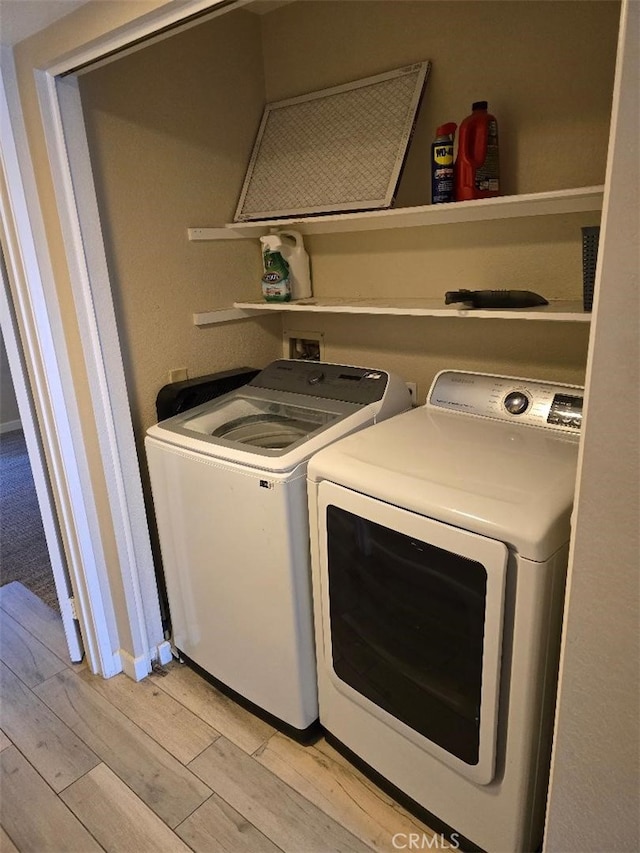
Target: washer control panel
[(504, 398), (320, 379)]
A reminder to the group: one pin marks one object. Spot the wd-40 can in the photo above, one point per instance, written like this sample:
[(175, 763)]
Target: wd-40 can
[(442, 177)]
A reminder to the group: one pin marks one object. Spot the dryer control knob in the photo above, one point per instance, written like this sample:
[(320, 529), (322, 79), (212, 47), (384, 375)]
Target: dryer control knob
[(516, 403), (315, 378)]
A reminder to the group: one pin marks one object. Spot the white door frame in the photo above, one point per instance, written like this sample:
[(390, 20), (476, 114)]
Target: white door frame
[(36, 459), (68, 153), (37, 328), (80, 222)]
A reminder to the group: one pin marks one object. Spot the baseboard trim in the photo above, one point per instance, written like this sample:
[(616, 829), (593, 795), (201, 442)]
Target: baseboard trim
[(10, 426), (165, 654), (136, 668)]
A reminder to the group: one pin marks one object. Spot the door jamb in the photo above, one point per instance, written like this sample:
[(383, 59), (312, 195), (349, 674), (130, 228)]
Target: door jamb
[(45, 352), (61, 117)]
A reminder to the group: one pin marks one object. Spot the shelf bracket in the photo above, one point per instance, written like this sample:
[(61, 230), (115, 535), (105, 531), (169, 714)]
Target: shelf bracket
[(225, 315), (202, 234)]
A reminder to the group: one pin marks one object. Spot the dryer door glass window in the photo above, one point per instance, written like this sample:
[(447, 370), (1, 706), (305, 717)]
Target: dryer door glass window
[(407, 625)]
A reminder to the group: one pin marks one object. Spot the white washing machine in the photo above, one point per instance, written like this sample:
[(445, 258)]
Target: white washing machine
[(229, 491), (439, 552)]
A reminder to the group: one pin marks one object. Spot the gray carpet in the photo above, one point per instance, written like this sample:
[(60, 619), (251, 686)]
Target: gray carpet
[(24, 555)]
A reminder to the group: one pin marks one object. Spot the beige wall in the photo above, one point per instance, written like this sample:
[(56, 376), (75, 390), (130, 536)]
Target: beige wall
[(170, 131), (86, 24), (8, 404), (551, 92), (545, 68), (532, 254), (181, 147), (595, 785)]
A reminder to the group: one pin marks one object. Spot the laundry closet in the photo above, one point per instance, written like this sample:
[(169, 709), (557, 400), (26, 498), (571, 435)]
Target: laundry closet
[(171, 128)]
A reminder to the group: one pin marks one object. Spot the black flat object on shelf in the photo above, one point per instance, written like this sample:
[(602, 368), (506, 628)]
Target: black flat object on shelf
[(495, 298)]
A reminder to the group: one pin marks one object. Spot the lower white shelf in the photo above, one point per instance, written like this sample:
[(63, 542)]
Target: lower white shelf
[(559, 311)]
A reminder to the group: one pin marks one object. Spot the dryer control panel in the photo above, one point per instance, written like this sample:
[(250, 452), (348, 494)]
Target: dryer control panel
[(528, 402)]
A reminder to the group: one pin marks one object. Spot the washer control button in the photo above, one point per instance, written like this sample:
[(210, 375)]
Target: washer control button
[(516, 402)]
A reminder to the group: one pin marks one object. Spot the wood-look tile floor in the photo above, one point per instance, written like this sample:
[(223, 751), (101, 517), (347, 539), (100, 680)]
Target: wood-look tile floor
[(167, 764)]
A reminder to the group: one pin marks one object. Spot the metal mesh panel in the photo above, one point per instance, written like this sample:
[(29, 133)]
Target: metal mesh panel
[(334, 150)]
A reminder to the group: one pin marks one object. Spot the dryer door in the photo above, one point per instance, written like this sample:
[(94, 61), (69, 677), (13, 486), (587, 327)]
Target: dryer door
[(412, 624)]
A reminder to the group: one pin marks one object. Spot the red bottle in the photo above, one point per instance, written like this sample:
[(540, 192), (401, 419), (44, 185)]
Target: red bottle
[(477, 164)]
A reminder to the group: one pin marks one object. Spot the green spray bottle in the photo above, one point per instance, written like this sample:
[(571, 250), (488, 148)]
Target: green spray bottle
[(276, 285)]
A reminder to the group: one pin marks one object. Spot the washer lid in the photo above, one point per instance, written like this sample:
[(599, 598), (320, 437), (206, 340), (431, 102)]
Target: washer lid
[(511, 483), (290, 410), (257, 423), (271, 430)]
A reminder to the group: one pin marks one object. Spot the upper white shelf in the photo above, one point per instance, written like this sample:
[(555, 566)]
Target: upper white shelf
[(581, 200)]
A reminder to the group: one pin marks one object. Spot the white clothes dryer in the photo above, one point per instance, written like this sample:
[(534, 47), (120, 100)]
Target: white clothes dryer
[(229, 491), (439, 552)]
